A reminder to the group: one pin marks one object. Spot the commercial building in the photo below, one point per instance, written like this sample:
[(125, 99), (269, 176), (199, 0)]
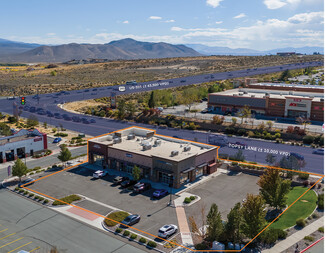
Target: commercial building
[(272, 100), (160, 158), (22, 144)]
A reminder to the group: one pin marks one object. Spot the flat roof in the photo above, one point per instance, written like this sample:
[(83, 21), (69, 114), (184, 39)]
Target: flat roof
[(261, 93), (161, 146), (289, 85)]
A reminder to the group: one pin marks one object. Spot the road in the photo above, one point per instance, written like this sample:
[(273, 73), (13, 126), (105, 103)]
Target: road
[(314, 163), (25, 225)]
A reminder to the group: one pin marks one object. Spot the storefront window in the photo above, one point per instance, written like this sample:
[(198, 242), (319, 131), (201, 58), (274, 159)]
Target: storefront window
[(184, 177), (199, 172)]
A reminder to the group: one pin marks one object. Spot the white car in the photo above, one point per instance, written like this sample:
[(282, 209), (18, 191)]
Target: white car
[(167, 230), (121, 88), (99, 174)]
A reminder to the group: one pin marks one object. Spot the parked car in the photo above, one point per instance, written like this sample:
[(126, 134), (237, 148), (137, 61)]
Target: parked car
[(99, 174), (26, 182), (119, 179), (86, 91), (205, 110), (92, 121), (32, 109), (76, 119), (131, 220), (159, 193), (68, 118), (128, 182), (183, 81), (57, 140), (319, 151), (141, 187), (167, 230), (298, 156), (26, 108), (58, 116)]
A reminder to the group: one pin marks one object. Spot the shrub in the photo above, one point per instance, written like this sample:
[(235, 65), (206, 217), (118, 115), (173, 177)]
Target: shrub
[(118, 230), (320, 201), (306, 183), (46, 201), (321, 229), (314, 215), (152, 244), (126, 233), (17, 188), (68, 199), (187, 200), (303, 176), (36, 197), (268, 237), (41, 199), (25, 192), (234, 163), (142, 240), (116, 216), (309, 238), (201, 246), (21, 190), (192, 197), (300, 222), (281, 233), (133, 236), (241, 132), (308, 139)]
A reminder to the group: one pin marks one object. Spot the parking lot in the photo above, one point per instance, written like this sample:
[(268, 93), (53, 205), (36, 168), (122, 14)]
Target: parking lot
[(225, 191), (154, 213)]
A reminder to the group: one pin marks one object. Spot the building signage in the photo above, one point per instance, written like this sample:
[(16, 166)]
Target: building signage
[(128, 155), (38, 138), (297, 99)]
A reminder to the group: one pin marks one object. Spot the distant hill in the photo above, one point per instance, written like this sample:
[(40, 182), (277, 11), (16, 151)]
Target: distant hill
[(120, 49), (245, 51), (8, 47)]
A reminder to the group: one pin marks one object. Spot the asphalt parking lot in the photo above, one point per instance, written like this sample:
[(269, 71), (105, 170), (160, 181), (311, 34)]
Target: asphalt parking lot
[(154, 213), (225, 191)]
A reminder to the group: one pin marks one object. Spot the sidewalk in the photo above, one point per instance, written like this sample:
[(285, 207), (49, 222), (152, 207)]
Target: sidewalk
[(183, 227), (296, 237)]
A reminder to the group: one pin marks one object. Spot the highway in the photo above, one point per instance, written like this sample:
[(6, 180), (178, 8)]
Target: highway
[(314, 163)]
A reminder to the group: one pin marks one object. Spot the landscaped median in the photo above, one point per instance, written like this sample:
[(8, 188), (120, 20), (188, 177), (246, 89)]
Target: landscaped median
[(66, 200)]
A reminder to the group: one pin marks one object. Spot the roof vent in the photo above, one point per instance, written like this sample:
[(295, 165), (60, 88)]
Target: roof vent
[(157, 142), (174, 153), (131, 137), (146, 146), (187, 148), (117, 140), (245, 92)]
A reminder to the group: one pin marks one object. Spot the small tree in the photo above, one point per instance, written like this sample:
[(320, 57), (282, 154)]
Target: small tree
[(270, 159), (269, 124), (273, 188), (121, 109), (215, 227), (19, 169), (152, 102), (233, 224), (239, 156), (65, 154), (136, 173), (234, 121), (45, 125), (253, 215), (244, 113)]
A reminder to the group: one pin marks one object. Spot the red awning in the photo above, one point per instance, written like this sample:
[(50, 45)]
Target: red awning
[(212, 164)]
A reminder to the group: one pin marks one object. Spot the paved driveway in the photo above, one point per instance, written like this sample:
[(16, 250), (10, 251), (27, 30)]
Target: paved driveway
[(154, 213), (225, 191)]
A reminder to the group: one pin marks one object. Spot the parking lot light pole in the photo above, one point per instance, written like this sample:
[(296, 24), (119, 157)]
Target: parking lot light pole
[(171, 190)]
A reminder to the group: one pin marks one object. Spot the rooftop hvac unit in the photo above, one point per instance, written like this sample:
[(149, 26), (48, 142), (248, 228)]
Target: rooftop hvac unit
[(117, 140), (187, 148), (322, 99), (157, 142), (290, 92), (267, 94), (252, 96), (131, 136), (245, 92), (174, 153), (146, 146)]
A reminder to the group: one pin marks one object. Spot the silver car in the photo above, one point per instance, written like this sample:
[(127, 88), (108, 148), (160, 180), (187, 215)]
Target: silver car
[(167, 230)]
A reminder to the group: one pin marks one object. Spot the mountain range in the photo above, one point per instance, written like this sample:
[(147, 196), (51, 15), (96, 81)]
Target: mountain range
[(12, 51), (206, 50)]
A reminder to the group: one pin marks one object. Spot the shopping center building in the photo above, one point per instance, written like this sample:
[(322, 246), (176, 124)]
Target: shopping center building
[(275, 100), (161, 158)]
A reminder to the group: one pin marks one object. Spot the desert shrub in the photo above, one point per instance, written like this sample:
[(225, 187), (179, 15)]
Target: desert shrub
[(241, 132), (303, 176), (68, 199), (118, 230), (152, 244), (201, 246), (300, 222), (308, 139), (142, 240), (192, 197), (321, 229), (314, 215), (126, 233), (21, 190), (309, 238), (40, 198), (17, 188), (36, 197), (133, 236), (306, 183), (46, 201), (116, 216), (187, 200), (320, 201), (31, 195)]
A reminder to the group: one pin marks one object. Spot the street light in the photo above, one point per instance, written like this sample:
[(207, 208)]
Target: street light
[(171, 189)]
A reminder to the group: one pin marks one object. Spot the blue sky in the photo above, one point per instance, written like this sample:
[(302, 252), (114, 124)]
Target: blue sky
[(255, 24)]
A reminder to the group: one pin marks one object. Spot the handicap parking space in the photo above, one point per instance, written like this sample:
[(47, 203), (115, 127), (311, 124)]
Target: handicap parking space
[(154, 213)]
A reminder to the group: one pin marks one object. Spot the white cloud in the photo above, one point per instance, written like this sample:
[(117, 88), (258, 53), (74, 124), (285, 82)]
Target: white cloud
[(155, 17), (219, 22), (126, 22), (50, 34), (214, 3), (170, 21), (241, 15), (274, 4)]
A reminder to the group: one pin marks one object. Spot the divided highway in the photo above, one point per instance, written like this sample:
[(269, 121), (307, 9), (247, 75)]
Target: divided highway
[(314, 162)]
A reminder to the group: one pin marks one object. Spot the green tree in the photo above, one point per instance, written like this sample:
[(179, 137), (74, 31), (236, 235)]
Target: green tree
[(152, 102), (245, 113), (189, 96), (285, 75), (4, 129), (19, 169), (270, 159), (130, 108), (32, 121), (136, 173), (239, 156), (234, 121), (269, 124), (45, 125), (232, 228), (291, 163), (65, 154), (121, 109), (273, 188), (215, 227), (253, 215)]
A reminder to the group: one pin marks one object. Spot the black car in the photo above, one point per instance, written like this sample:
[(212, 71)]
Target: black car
[(128, 183), (32, 109), (131, 220), (119, 179), (183, 81), (76, 119), (141, 187)]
